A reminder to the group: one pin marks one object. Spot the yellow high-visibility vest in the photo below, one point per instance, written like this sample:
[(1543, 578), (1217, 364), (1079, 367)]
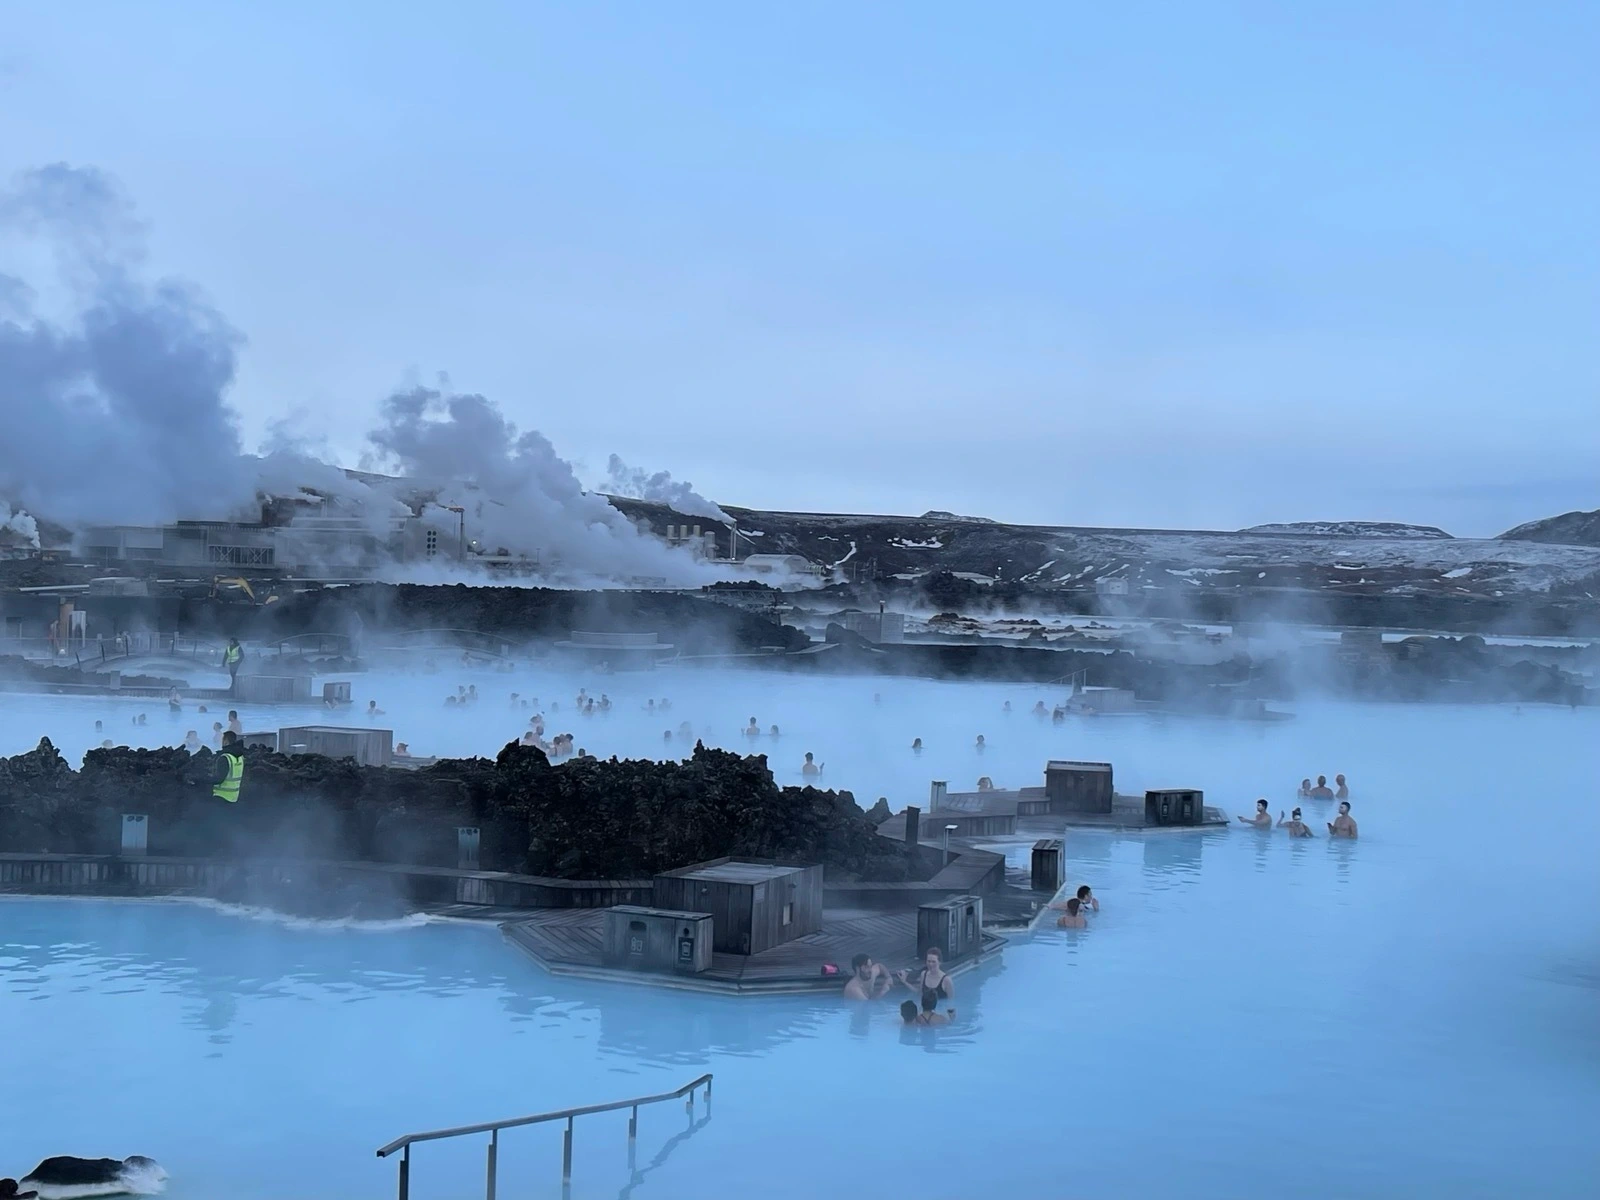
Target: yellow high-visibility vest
[(232, 655), (228, 789)]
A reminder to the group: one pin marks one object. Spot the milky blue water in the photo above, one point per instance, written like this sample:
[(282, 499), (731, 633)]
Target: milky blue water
[(1417, 1013)]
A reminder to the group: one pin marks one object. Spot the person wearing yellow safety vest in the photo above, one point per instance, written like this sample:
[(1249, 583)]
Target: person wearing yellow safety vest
[(232, 757), (231, 658)]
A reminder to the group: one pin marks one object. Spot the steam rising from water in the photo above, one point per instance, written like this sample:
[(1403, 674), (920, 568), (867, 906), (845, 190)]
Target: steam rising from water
[(114, 396)]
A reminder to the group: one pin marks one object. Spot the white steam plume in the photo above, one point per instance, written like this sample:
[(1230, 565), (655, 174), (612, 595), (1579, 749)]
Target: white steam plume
[(519, 495), (661, 487), (20, 524), (115, 413)]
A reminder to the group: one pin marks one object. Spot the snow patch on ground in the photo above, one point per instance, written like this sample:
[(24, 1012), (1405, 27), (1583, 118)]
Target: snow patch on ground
[(1458, 573), (908, 544)]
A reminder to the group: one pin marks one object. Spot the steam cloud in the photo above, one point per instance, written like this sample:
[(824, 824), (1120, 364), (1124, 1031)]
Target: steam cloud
[(116, 414), (518, 494), (20, 524), (661, 487)]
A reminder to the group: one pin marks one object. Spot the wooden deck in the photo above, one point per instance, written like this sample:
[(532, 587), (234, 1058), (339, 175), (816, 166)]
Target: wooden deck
[(568, 942)]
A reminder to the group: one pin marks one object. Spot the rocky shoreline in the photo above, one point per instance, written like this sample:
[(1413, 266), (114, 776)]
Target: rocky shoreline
[(583, 819)]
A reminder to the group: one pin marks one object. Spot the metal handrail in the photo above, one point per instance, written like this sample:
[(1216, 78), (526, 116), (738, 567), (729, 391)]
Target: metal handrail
[(493, 1128)]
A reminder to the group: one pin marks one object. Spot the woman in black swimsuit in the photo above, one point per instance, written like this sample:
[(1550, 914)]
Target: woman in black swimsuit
[(930, 982)]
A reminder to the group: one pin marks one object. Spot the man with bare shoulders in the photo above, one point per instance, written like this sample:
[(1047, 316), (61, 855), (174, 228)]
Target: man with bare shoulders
[(868, 980), (1344, 825), (1262, 819), (1073, 918), (1322, 791), (1296, 827)]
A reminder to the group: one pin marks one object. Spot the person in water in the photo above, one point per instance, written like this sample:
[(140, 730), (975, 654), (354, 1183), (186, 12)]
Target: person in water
[(809, 768), (1039, 709), (869, 980), (1073, 918), (979, 744), (916, 745), (929, 1016), (1342, 792), (373, 710), (1344, 825), (1322, 791), (1305, 790), (1086, 899), (1296, 827), (773, 733), (235, 726), (174, 701), (930, 981), (191, 741), (1263, 818), (752, 730)]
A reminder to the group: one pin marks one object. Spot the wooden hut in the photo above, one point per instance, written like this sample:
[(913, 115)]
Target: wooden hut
[(755, 905)]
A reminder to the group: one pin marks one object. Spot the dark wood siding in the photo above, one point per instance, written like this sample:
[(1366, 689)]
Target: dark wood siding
[(646, 939)]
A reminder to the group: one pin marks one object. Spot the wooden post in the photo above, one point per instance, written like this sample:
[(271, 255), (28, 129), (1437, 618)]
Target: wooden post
[(494, 1149), (1049, 869)]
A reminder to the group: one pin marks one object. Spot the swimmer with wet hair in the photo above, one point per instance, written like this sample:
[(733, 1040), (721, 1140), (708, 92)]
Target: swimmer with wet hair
[(191, 741), (666, 735), (373, 710), (916, 745), (1086, 899), (1305, 790), (809, 768), (1344, 825), (752, 730), (773, 733), (1342, 792), (1262, 818), (1073, 918), (980, 744), (928, 1016)]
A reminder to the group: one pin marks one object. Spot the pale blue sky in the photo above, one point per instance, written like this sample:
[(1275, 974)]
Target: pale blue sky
[(1068, 263)]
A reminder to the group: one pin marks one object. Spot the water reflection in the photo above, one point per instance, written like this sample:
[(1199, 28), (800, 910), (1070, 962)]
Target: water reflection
[(636, 1174), (1176, 855)]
